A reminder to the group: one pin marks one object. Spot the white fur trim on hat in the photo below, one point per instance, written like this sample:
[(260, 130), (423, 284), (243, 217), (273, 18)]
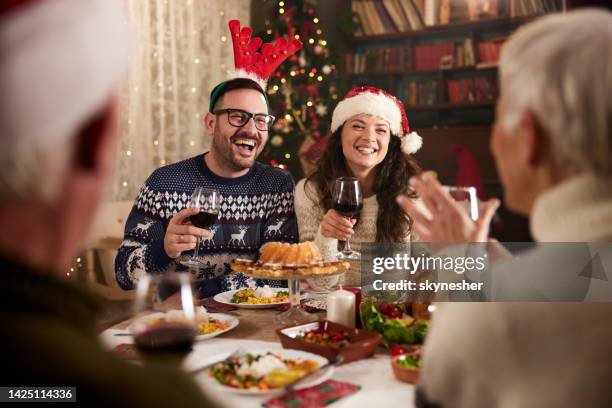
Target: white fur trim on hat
[(59, 61), (372, 104), (411, 143)]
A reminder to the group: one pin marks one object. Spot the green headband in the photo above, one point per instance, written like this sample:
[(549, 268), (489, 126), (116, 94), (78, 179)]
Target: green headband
[(218, 90)]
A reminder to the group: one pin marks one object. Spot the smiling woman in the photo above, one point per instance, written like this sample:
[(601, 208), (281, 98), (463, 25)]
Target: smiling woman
[(372, 142)]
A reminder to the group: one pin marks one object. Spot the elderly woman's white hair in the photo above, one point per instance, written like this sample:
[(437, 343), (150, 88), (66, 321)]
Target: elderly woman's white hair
[(560, 69), (59, 61)]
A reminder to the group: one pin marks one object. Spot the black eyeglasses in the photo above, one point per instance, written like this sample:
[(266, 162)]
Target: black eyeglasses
[(239, 118)]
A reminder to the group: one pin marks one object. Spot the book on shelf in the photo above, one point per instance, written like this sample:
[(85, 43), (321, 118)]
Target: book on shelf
[(431, 12), (470, 90), (377, 17), (379, 61), (413, 14), (420, 92), (427, 57), (518, 8), (479, 9), (488, 51), (419, 6), (384, 18), (362, 15), (372, 15), (396, 15), (356, 16)]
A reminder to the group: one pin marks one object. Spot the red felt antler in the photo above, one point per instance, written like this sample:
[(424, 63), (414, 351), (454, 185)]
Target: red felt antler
[(246, 57)]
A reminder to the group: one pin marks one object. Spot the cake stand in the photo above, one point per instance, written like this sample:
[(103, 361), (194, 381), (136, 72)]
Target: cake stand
[(295, 314)]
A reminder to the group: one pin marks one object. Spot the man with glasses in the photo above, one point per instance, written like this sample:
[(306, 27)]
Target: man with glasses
[(256, 199)]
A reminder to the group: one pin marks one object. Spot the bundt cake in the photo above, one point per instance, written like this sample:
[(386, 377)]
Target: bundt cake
[(302, 254), (280, 259)]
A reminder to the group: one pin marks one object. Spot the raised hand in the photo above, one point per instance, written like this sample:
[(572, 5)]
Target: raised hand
[(443, 219)]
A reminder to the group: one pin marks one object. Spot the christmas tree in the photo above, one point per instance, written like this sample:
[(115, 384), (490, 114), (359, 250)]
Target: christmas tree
[(302, 92)]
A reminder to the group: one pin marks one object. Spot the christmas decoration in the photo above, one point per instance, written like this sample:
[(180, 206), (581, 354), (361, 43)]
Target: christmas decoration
[(276, 141), (304, 89), (321, 109)]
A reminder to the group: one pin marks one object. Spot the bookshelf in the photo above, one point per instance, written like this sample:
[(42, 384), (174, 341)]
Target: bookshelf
[(457, 28), (450, 98), (438, 56)]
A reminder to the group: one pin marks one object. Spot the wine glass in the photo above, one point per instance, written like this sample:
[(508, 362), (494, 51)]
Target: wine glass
[(347, 200), (208, 201), (466, 198), (166, 315)]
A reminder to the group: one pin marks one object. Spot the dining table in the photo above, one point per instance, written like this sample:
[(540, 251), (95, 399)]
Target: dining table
[(257, 331)]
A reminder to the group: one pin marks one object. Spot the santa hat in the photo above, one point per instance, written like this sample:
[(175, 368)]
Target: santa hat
[(376, 102), (252, 64), (59, 60)]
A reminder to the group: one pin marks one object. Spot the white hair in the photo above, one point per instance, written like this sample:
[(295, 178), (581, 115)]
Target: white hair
[(560, 69), (59, 62)]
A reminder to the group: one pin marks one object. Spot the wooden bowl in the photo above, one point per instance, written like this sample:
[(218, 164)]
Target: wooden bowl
[(362, 343), (404, 373)]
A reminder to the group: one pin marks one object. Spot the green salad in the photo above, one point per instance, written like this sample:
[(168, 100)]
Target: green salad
[(392, 321), (411, 361)]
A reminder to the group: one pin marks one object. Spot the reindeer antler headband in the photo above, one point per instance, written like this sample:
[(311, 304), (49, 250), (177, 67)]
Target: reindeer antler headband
[(251, 64)]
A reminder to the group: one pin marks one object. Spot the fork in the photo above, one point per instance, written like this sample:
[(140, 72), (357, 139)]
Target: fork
[(239, 352)]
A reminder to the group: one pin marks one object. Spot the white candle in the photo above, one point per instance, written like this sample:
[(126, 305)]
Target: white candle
[(341, 307)]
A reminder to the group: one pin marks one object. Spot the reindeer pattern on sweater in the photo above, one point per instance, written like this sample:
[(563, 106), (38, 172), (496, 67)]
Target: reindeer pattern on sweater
[(255, 208)]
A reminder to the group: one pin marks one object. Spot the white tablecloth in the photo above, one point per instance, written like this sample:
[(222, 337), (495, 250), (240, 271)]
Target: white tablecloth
[(375, 376)]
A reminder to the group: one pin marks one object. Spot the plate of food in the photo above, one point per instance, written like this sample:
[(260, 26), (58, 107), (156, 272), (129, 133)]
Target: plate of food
[(259, 298), (264, 372), (208, 324), (329, 339)]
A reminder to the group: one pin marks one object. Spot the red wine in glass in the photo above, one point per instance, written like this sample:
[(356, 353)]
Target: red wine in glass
[(208, 202), (348, 209), (166, 337), (204, 219), (165, 313), (347, 200)]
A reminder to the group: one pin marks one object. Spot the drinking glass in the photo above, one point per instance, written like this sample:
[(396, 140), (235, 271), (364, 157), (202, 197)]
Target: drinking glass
[(166, 316), (466, 198), (348, 201), (208, 201)]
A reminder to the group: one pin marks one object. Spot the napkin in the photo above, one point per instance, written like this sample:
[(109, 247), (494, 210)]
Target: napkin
[(212, 306), (313, 397)]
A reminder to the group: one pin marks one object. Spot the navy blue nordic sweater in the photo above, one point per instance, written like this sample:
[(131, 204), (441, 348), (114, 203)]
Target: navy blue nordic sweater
[(255, 208)]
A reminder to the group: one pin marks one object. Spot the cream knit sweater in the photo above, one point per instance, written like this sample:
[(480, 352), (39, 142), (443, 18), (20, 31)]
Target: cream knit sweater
[(310, 214), (530, 354)]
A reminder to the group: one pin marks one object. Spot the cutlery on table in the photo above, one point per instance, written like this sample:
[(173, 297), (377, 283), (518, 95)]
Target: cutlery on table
[(237, 353)]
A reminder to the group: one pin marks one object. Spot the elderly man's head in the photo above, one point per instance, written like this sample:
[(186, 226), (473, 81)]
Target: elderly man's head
[(554, 115), (60, 61)]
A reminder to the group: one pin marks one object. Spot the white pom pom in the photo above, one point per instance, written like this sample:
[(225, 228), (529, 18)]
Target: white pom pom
[(411, 143)]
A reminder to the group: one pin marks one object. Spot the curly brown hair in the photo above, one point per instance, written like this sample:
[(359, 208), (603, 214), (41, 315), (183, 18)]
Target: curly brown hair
[(392, 175)]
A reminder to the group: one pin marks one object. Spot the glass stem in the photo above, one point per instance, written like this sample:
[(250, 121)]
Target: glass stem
[(294, 292), (347, 247), (197, 248)]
